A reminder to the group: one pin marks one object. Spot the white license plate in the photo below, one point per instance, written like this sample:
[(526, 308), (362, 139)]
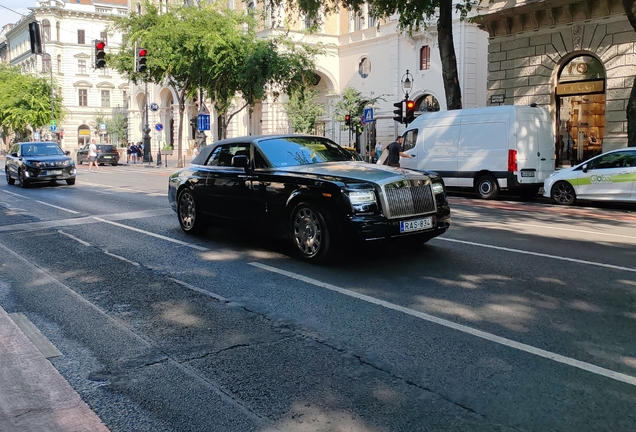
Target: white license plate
[(107, 157), (416, 224), (55, 172), (527, 173)]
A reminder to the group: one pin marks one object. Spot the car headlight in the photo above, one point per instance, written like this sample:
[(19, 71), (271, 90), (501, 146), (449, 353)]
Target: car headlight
[(438, 188), (362, 197), (33, 164)]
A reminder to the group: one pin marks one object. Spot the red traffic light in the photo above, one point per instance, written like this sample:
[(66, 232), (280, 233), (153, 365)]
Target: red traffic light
[(100, 45), (142, 52), (410, 105), (347, 117)]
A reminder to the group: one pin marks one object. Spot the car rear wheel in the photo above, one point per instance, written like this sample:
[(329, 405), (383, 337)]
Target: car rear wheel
[(70, 182), (310, 233), (79, 161), (190, 218), (487, 187), (563, 193), (10, 180), (23, 181), (115, 164)]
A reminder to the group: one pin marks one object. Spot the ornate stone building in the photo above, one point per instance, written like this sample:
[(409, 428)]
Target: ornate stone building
[(576, 57)]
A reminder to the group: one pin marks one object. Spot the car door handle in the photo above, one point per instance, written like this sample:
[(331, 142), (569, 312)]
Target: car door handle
[(247, 177), (543, 159)]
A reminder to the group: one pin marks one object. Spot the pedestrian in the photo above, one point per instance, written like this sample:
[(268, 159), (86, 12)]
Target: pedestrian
[(395, 151), (195, 151), (378, 151), (133, 152), (140, 151), (92, 155), (128, 152)]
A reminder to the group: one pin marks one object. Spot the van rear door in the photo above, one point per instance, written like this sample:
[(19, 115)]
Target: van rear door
[(535, 145)]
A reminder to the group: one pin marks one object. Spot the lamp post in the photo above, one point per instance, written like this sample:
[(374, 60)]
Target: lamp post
[(407, 83), (146, 130)]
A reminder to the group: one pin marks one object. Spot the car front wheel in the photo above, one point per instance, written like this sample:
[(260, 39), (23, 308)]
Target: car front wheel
[(310, 233), (563, 193), (23, 181), (10, 180), (190, 218)]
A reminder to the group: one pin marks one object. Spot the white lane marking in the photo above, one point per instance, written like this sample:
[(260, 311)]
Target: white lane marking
[(215, 296), (459, 327), (193, 246), (13, 193), (121, 258), (74, 238), (59, 208), (554, 257)]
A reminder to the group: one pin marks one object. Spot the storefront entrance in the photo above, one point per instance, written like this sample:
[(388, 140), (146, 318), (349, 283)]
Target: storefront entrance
[(580, 95)]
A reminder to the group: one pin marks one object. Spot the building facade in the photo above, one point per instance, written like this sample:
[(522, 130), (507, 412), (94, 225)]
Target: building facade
[(575, 57), (68, 32)]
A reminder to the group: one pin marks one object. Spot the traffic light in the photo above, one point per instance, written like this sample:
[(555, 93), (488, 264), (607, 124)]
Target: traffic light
[(348, 120), (141, 60), (399, 116), (100, 54), (410, 111), (35, 37)]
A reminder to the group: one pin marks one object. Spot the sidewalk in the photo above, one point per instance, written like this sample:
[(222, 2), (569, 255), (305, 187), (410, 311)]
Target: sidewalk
[(34, 396)]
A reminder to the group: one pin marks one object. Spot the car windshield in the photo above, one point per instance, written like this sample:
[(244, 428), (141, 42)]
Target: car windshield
[(41, 150), (105, 147), (293, 151)]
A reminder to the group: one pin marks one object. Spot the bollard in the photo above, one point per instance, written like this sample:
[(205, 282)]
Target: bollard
[(158, 158)]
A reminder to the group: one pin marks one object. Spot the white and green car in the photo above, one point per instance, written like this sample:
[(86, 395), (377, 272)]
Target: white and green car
[(607, 177)]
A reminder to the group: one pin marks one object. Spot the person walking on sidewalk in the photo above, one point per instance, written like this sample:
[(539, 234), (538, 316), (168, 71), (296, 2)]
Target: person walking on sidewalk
[(92, 155), (395, 151)]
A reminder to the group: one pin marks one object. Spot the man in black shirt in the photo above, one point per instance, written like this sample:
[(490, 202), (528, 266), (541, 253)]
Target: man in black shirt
[(395, 151)]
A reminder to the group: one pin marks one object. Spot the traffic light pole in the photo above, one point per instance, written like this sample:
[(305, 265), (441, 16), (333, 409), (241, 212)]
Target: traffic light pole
[(146, 130)]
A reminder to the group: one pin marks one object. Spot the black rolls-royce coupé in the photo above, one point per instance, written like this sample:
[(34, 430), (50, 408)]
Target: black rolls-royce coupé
[(309, 190)]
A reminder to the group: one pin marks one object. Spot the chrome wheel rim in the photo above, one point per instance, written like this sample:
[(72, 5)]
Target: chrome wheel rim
[(485, 187), (307, 232), (563, 193), (187, 211)]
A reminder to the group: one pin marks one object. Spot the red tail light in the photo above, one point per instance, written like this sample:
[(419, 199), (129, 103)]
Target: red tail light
[(512, 160)]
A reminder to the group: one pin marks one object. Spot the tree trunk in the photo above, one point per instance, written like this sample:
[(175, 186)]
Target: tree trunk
[(630, 10), (447, 54), (180, 137)]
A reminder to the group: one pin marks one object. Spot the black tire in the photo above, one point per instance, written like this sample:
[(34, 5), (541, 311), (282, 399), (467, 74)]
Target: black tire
[(10, 180), (70, 182), (190, 217), (79, 161), (487, 187), (23, 181), (115, 164), (563, 193), (310, 233)]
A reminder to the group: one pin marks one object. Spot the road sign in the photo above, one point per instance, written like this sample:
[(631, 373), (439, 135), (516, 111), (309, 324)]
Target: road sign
[(102, 126), (36, 135), (53, 122), (53, 128), (368, 115), (203, 122), (158, 127), (154, 107)]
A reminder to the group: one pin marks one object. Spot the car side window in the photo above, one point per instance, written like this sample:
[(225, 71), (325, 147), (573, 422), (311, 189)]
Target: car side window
[(15, 149), (214, 158), (223, 154), (611, 160), (410, 139), (259, 160), (630, 159)]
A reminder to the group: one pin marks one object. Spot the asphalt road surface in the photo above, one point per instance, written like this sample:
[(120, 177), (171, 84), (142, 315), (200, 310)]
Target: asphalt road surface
[(521, 317)]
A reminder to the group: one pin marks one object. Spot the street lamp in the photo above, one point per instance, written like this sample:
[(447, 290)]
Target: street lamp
[(407, 83)]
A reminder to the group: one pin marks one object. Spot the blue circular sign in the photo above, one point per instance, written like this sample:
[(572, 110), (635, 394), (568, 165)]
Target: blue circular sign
[(159, 127)]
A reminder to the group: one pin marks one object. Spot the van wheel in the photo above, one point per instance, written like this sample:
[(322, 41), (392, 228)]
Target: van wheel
[(487, 187), (563, 193)]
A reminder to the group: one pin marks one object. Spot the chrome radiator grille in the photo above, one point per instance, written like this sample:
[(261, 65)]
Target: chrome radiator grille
[(408, 198)]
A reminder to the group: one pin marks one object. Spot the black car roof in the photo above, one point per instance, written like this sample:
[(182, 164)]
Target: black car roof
[(47, 143), (205, 151)]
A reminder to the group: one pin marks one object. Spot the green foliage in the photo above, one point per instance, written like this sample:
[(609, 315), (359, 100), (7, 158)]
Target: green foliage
[(25, 101), (116, 126), (353, 103), (303, 111)]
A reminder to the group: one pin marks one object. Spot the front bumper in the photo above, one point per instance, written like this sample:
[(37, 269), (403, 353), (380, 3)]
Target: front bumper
[(48, 174)]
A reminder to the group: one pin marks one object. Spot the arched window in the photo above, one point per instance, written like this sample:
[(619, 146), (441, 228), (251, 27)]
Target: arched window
[(428, 103), (46, 30), (582, 68), (138, 8), (46, 63)]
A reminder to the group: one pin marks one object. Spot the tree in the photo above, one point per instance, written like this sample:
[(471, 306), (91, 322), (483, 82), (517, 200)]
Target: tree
[(116, 126), (414, 15), (630, 10), (25, 102), (353, 103), (303, 110)]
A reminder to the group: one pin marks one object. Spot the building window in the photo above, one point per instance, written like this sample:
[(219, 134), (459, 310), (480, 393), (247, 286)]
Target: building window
[(46, 63), (104, 71), (104, 37), (81, 39), (105, 98), (59, 63), (125, 97), (425, 58), (57, 30), (46, 30), (364, 68), (81, 67), (83, 97)]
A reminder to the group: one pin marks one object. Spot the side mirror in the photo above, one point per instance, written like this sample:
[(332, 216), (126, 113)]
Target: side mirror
[(240, 161), (14, 154), (67, 153), (585, 168)]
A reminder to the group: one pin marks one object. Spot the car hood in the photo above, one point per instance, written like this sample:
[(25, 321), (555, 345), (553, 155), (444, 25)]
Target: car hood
[(50, 158), (563, 172), (357, 171)]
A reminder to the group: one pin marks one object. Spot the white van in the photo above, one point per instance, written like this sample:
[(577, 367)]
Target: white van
[(488, 149)]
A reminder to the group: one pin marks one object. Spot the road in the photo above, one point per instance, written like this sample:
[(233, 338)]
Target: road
[(521, 318)]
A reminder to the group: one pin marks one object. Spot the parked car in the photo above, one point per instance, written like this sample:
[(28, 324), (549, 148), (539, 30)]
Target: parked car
[(309, 190), (610, 176), (31, 162), (106, 154)]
